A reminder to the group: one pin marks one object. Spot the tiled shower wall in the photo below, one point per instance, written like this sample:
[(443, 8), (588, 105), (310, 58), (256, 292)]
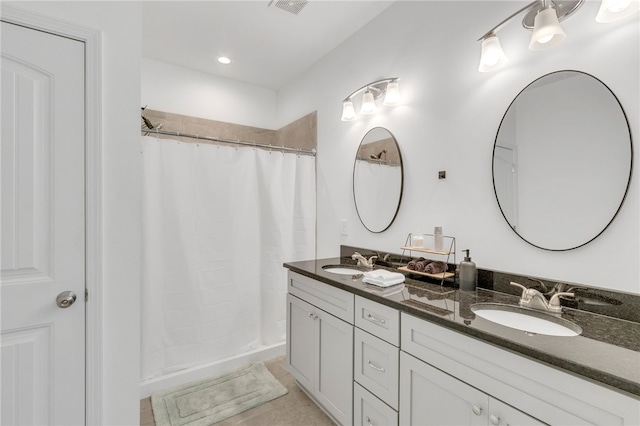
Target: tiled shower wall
[(392, 154), (301, 133)]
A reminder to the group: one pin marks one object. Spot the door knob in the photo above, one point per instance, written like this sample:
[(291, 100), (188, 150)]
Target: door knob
[(65, 299)]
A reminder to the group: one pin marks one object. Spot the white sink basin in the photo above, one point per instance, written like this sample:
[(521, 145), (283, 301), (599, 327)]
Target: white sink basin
[(342, 269), (528, 320)]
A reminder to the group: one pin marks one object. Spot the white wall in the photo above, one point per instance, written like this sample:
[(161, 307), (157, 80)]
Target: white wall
[(119, 23), (179, 90), (448, 121)]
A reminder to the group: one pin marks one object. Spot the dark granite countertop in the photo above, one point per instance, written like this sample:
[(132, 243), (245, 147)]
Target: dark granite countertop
[(607, 351)]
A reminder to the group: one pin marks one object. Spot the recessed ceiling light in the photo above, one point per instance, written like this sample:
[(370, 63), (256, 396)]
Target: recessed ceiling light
[(224, 60)]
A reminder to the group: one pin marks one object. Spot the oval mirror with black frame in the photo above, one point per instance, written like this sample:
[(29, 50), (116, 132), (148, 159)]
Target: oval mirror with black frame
[(378, 180), (562, 160)]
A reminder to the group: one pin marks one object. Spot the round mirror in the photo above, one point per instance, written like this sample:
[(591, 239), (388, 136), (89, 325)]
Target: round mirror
[(377, 179), (562, 160)]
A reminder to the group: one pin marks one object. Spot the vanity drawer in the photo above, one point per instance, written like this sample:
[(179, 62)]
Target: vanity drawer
[(376, 365), (379, 320), (369, 410), (338, 303)]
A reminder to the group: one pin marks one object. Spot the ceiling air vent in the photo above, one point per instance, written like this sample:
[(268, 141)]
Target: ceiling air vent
[(291, 6)]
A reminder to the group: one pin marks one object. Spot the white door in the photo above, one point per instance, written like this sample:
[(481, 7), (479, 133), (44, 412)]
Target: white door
[(43, 227)]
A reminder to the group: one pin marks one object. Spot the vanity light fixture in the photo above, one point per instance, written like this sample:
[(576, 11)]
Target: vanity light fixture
[(387, 87), (544, 17), (493, 56), (612, 10), (547, 31), (392, 97), (348, 112), (368, 103)]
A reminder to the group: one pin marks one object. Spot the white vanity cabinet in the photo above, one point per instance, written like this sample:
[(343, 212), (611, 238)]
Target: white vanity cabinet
[(431, 397), (367, 363), (376, 362), (320, 344), (447, 377)]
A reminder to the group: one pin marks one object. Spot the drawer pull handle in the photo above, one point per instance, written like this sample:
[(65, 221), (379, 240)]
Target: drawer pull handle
[(476, 410), (375, 367), (369, 421), (495, 420), (374, 319)]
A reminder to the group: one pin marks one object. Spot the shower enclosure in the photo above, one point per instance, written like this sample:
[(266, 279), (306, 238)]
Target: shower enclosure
[(218, 223)]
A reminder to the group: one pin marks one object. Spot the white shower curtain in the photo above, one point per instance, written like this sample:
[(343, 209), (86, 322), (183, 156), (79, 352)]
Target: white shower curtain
[(218, 222)]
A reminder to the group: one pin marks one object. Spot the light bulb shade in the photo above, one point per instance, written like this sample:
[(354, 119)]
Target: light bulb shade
[(368, 103), (492, 56), (348, 112), (547, 31), (392, 95), (612, 10)]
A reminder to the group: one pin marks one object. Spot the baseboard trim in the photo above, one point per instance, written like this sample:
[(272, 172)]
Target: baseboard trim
[(182, 377)]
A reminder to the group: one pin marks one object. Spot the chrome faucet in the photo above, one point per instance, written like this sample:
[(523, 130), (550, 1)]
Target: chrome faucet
[(362, 261), (532, 298), (543, 287)]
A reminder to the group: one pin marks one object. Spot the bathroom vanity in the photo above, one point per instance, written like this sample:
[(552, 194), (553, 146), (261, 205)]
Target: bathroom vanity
[(422, 357)]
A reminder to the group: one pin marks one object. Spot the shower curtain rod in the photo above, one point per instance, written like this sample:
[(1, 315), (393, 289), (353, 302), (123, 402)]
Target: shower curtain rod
[(311, 152)]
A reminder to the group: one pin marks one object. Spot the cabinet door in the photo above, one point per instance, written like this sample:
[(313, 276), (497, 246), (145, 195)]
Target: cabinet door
[(301, 341), (430, 397), (334, 388), (505, 415)]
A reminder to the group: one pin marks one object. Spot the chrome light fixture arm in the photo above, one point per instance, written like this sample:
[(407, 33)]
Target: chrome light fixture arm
[(378, 88), (493, 30), (387, 87), (565, 8), (543, 17)]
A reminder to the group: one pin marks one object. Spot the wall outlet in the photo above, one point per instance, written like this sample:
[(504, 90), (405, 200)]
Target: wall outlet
[(343, 227)]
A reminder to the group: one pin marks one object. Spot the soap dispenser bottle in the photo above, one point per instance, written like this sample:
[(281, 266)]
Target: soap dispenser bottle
[(468, 274)]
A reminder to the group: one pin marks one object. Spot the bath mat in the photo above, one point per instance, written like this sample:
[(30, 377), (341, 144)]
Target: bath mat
[(209, 401)]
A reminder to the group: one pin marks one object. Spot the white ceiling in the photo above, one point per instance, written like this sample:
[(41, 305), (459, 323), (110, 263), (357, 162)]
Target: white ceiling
[(268, 46)]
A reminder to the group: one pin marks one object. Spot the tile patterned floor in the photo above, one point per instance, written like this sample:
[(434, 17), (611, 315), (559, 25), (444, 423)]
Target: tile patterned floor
[(293, 409)]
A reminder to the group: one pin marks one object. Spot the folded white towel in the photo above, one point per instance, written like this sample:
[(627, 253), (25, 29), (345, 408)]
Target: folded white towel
[(388, 291), (383, 275), (383, 278), (383, 284)]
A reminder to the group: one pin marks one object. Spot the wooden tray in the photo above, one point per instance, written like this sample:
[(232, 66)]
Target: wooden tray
[(436, 276)]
